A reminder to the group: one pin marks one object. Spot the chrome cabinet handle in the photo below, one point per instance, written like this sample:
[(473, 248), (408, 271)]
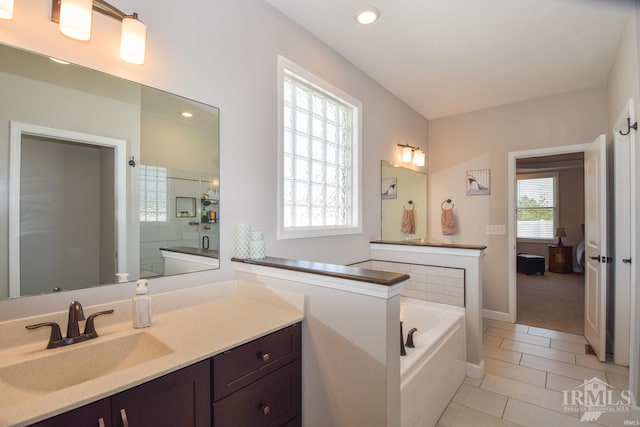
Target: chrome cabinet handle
[(264, 356), (123, 417), (265, 409)]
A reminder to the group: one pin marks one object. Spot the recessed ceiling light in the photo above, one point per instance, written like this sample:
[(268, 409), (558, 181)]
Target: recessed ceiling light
[(367, 15), (186, 114), (59, 61)]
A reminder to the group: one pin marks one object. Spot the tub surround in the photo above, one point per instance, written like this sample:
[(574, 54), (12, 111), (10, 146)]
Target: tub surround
[(409, 254), (433, 244), (431, 372), (196, 323), (209, 253), (185, 259), (350, 338)]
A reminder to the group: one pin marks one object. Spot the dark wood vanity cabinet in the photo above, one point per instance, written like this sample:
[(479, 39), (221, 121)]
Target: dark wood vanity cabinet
[(181, 398), (96, 414), (257, 384)]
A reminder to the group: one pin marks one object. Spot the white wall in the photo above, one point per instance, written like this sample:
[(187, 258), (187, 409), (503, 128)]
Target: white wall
[(622, 84), (482, 140), (224, 54)]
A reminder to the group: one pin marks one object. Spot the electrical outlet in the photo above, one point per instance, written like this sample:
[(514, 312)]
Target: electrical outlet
[(498, 230)]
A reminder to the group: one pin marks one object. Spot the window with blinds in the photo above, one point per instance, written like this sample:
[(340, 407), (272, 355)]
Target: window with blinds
[(319, 183), (537, 206), (153, 193)]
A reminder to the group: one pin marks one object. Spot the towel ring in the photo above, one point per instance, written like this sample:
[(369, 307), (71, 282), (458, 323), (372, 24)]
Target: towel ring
[(411, 205), (448, 201)]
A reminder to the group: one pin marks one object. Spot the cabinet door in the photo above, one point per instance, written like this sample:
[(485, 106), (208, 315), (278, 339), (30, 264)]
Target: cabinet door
[(97, 414), (180, 399)]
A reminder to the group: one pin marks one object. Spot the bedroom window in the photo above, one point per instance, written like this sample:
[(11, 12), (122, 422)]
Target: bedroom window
[(537, 213), (319, 157)]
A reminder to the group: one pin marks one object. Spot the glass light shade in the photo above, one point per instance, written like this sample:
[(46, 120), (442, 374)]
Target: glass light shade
[(418, 158), (6, 9), (407, 152), (133, 40), (75, 18)]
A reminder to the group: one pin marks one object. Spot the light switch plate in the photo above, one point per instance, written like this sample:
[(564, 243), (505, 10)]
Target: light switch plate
[(496, 230)]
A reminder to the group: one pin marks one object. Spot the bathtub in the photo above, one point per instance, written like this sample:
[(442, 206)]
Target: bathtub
[(430, 373)]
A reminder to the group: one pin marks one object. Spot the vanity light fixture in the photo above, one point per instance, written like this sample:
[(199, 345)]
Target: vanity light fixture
[(418, 157), (6, 9), (74, 18), (410, 153), (367, 15)]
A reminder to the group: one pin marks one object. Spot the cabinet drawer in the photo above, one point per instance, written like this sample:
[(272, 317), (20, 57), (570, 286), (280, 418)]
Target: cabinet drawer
[(242, 365), (272, 401)]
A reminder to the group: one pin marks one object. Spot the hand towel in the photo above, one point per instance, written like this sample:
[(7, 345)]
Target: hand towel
[(448, 222), (408, 224)]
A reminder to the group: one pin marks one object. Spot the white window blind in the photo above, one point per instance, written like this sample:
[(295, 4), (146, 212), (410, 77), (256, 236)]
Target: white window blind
[(153, 193), (319, 154), (537, 207)]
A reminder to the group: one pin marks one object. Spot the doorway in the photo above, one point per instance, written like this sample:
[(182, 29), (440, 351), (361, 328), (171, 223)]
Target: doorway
[(550, 195), (66, 209)]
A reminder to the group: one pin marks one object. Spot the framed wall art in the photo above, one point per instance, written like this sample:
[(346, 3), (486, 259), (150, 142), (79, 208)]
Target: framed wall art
[(479, 182), (389, 188)]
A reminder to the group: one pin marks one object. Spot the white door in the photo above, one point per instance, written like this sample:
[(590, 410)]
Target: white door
[(596, 256)]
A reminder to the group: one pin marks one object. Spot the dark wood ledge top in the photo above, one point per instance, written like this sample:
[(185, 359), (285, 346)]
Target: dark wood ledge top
[(209, 253), (431, 244), (376, 277)]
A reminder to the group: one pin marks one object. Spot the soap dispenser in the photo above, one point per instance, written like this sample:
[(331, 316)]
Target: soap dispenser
[(141, 306)]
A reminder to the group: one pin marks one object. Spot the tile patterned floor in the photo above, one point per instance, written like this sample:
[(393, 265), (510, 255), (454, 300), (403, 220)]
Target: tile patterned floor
[(528, 368)]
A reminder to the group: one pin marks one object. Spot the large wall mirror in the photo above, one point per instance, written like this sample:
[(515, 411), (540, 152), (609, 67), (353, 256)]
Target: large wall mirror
[(403, 190), (102, 180)]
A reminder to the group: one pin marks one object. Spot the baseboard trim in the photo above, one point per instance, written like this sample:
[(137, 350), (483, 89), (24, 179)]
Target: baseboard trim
[(475, 371), (496, 315)]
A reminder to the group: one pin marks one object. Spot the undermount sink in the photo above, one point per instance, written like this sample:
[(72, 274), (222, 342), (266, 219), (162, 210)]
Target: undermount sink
[(57, 369)]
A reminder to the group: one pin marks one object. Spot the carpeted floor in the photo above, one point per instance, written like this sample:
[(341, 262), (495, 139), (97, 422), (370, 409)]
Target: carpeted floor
[(552, 301)]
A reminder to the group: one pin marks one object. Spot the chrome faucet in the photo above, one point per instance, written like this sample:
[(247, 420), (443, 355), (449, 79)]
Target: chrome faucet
[(76, 314)]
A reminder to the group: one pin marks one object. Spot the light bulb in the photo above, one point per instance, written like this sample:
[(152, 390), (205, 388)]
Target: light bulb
[(6, 9), (407, 152), (133, 40), (367, 15), (75, 18)]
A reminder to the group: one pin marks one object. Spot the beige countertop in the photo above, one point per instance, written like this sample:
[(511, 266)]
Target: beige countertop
[(195, 324)]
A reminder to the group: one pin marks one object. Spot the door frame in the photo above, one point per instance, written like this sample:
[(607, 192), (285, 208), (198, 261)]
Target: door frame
[(513, 157), (16, 130)]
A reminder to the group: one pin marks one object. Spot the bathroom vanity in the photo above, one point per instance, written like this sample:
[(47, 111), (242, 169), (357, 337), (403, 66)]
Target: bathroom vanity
[(256, 384), (214, 353)]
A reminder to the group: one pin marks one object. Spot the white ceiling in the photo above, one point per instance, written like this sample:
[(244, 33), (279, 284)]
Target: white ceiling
[(445, 57)]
